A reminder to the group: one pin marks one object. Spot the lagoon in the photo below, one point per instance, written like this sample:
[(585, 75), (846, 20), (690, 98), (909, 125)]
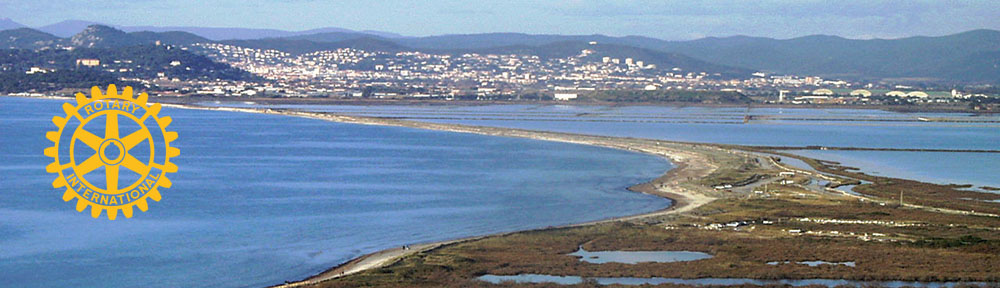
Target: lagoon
[(979, 169), (772, 127), (634, 281), (261, 199)]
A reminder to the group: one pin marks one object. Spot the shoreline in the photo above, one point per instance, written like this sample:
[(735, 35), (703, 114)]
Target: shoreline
[(192, 100), (438, 102), (691, 162), (699, 155), (687, 165)]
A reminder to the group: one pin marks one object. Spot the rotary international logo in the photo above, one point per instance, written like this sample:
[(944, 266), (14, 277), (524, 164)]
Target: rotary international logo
[(123, 168)]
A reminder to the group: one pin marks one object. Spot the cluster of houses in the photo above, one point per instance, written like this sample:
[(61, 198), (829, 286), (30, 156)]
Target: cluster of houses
[(843, 96)]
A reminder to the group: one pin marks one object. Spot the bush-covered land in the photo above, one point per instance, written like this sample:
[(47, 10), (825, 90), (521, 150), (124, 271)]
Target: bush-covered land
[(40, 82), (136, 62), (781, 223), (666, 96), (914, 192)]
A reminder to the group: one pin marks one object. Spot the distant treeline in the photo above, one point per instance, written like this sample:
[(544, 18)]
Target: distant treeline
[(11, 82), (143, 62), (665, 96)]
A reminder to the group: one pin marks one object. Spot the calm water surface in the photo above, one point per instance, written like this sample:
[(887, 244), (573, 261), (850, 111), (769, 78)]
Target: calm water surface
[(260, 199), (574, 280), (633, 257), (941, 167), (771, 127)]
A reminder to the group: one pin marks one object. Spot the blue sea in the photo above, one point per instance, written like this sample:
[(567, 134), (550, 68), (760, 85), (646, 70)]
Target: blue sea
[(770, 127), (261, 199)]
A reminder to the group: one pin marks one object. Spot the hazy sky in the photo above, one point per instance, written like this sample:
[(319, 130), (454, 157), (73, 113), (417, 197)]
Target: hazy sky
[(673, 20)]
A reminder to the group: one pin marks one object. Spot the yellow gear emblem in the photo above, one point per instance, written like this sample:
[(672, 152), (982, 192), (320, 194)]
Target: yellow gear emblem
[(111, 152)]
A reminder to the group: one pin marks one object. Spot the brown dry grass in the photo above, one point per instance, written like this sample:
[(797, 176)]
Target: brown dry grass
[(736, 253)]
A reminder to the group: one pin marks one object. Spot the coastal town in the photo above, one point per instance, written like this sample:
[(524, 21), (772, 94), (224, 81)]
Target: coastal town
[(634, 143), (349, 73)]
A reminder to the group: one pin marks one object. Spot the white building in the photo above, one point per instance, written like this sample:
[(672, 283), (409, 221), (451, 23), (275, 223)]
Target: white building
[(34, 70), (565, 96)]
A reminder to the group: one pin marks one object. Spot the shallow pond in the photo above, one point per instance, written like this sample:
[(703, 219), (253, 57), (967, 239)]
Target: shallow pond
[(573, 280), (633, 257)]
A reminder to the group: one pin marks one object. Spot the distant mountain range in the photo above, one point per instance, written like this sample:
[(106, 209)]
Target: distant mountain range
[(100, 36), (25, 38), (301, 46), (666, 60), (972, 56), (966, 57), (544, 50), (6, 23), (69, 28), (94, 36), (969, 56)]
